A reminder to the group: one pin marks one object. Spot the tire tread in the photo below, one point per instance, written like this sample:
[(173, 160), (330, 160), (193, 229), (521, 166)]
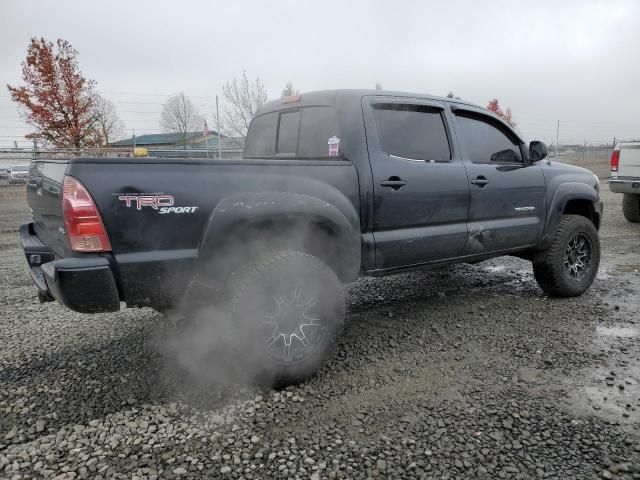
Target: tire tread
[(631, 207), (548, 265), (248, 272)]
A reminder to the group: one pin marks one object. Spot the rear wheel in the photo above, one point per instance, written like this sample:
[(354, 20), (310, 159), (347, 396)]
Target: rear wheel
[(283, 312), (631, 207), (569, 266)]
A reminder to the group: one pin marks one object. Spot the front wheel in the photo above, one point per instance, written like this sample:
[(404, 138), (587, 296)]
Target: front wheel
[(568, 267)]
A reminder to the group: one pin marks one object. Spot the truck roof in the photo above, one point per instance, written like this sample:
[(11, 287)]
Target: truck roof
[(330, 97)]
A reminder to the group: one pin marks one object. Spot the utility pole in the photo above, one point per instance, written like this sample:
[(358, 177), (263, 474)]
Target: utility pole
[(35, 148), (219, 139), (133, 134), (205, 135), (557, 137)]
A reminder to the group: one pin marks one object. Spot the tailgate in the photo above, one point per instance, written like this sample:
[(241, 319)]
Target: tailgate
[(44, 195), (629, 160)]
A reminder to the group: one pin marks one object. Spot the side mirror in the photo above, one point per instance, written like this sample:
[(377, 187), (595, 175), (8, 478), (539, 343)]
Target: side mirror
[(537, 151), (506, 156)]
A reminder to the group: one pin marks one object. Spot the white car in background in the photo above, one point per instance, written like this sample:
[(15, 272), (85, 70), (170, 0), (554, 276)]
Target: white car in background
[(18, 174), (625, 177)]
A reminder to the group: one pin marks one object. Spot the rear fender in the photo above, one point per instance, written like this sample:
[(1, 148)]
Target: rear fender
[(235, 215)]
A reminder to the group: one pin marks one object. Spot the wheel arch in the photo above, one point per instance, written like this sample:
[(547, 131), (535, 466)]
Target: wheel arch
[(583, 207), (249, 224), (571, 198)]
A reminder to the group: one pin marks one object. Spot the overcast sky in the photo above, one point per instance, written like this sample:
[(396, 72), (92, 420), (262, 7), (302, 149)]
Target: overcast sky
[(573, 61)]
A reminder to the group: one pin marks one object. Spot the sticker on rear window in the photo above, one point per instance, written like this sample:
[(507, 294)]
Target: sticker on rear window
[(334, 146)]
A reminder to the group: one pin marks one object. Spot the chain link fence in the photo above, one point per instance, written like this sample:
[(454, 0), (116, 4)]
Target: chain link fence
[(10, 158), (595, 158)]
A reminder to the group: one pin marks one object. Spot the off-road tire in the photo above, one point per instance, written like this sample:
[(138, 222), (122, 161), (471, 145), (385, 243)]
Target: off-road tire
[(549, 268), (253, 300), (631, 207)]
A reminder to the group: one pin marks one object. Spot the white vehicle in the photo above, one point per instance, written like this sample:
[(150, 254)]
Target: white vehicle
[(625, 178), (18, 174)]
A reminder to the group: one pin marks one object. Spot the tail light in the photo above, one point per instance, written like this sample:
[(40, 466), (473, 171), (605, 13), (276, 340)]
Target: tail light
[(84, 225), (615, 158)]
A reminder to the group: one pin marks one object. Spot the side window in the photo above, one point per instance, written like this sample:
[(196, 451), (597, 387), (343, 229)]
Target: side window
[(261, 136), (288, 133), (412, 131), (486, 143), (318, 125)]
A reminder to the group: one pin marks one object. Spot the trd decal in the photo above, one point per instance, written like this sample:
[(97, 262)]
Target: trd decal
[(162, 203), (153, 201)]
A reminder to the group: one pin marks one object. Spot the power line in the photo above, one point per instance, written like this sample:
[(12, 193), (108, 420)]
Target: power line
[(145, 94), (155, 94)]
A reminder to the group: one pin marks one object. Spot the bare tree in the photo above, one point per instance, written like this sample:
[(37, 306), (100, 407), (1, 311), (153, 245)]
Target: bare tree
[(508, 117), (180, 116), (242, 101), (289, 91), (108, 122)]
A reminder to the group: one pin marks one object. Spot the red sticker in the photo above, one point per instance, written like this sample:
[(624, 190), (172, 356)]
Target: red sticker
[(334, 146)]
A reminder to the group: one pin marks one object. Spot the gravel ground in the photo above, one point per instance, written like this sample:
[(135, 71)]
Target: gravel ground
[(470, 372)]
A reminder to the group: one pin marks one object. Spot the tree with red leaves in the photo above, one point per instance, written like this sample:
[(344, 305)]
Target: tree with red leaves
[(507, 116), (56, 99)]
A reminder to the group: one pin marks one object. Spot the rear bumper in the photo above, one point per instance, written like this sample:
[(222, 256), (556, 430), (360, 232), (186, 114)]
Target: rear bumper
[(84, 284), (625, 185)]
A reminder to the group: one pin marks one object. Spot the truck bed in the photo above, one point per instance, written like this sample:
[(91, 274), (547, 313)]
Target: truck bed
[(156, 210)]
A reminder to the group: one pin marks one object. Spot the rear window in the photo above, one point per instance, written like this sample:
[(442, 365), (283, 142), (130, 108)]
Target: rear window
[(20, 169), (302, 133), (262, 135), (319, 124), (288, 133), (414, 132)]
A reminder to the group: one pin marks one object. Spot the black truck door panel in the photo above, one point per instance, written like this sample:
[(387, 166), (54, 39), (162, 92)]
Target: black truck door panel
[(421, 191), (507, 206)]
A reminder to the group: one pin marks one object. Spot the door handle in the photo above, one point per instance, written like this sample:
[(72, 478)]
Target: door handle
[(480, 181), (394, 182)]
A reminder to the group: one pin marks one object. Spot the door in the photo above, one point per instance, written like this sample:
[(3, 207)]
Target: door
[(420, 186), (507, 206)]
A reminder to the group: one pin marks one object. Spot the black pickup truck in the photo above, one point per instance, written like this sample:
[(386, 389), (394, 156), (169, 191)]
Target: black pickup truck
[(332, 185)]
